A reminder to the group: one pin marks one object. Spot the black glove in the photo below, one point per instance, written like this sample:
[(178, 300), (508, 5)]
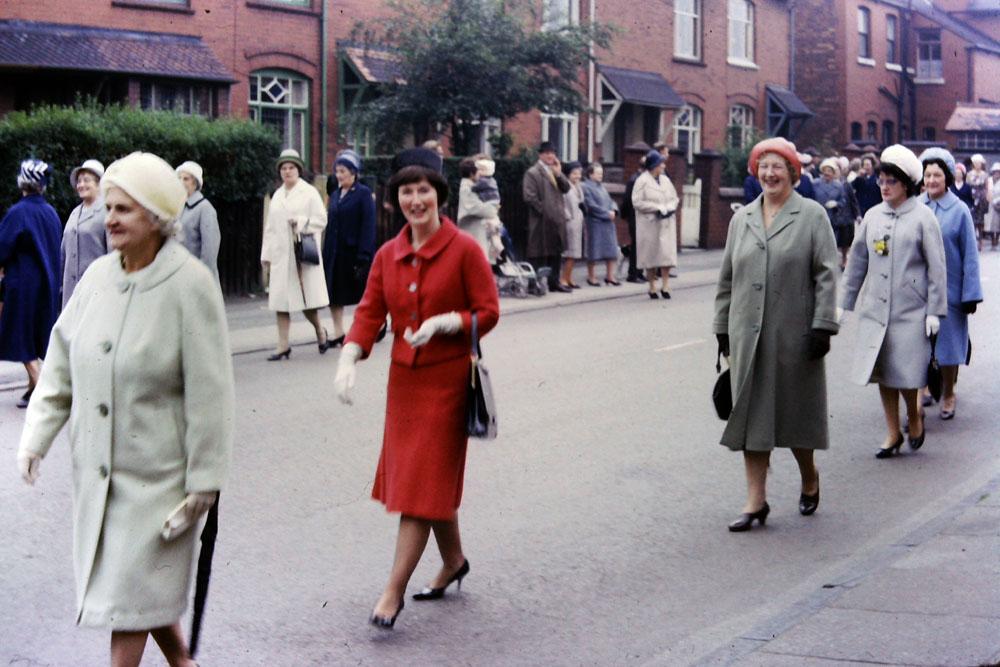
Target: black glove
[(819, 343), (968, 307), (723, 344), (583, 208)]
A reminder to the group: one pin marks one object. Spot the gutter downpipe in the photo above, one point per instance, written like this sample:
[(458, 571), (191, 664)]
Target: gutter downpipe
[(324, 114), (791, 46), (591, 72)]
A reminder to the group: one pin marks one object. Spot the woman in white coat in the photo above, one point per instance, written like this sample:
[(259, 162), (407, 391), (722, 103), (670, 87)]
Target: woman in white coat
[(296, 209), (139, 364), (898, 259), (84, 237), (655, 202)]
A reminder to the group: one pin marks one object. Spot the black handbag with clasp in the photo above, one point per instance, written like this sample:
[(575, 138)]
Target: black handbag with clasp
[(934, 372), (306, 249), (480, 409), (722, 392)]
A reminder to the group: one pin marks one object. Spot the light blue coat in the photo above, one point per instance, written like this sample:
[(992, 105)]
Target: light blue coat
[(962, 261)]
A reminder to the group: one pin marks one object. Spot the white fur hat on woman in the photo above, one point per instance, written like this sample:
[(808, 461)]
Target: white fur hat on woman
[(903, 158), (194, 170), (830, 163), (149, 180)]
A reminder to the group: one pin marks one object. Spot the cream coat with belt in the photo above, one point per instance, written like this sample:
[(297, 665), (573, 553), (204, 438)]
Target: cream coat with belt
[(292, 289), (140, 365)]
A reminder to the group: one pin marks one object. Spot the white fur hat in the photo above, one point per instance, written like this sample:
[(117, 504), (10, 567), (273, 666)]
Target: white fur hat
[(194, 169), (903, 158), (487, 167), (844, 164), (93, 166), (832, 163), (149, 180), (978, 157), (995, 167), (805, 159)]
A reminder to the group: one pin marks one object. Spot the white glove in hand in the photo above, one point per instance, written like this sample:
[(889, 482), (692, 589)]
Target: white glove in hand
[(343, 382), (447, 323), (840, 315), (27, 465), (832, 203), (197, 504), (932, 325)]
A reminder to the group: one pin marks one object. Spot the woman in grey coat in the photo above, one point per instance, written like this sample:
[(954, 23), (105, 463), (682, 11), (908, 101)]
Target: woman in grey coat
[(599, 211), (199, 222), (775, 310), (84, 237), (898, 259)]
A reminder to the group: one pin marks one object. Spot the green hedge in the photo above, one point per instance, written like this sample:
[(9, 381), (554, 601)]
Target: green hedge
[(237, 155)]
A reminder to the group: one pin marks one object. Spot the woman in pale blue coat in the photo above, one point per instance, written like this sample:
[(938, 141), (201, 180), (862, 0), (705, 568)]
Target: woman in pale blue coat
[(962, 262), (84, 236), (599, 213)]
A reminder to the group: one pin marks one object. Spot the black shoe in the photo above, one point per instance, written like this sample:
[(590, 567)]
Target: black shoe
[(438, 593), (917, 443), (745, 521), (613, 283), (634, 279), (278, 356), (893, 449), (808, 504), (665, 294), (335, 342), (383, 622), (378, 339), (565, 289), (574, 286), (324, 345), (22, 402), (654, 295), (593, 283)]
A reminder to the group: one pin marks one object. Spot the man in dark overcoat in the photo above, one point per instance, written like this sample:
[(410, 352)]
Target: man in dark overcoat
[(543, 188)]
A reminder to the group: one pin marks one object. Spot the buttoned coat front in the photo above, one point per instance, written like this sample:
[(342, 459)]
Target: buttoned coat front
[(775, 287), (84, 240), (656, 236), (543, 194), (200, 231), (291, 289), (894, 293), (139, 364)]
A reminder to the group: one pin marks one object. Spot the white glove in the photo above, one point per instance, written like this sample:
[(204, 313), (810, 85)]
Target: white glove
[(932, 325), (840, 315), (197, 504), (346, 372), (832, 203), (27, 465), (447, 323)]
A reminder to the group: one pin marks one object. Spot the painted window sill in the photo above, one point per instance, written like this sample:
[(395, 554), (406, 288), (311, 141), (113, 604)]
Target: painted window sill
[(177, 8), (929, 82), (688, 60), (867, 62), (741, 63), (895, 67)]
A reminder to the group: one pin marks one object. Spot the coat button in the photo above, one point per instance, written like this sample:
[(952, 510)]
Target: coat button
[(103, 472), (885, 275), (415, 263), (756, 327), (413, 287), (103, 409), (758, 286), (106, 347), (760, 245)]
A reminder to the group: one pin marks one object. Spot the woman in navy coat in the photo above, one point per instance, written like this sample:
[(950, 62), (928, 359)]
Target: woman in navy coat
[(30, 239), (962, 263), (349, 244)]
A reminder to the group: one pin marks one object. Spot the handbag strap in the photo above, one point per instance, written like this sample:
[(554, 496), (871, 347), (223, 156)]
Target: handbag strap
[(477, 352), (718, 361)]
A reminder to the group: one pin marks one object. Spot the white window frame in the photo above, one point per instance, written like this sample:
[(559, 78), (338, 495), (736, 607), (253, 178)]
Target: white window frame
[(295, 110), (485, 130), (978, 141), (929, 70), (689, 119), (568, 148), (741, 116), (687, 22), (741, 25), (558, 14)]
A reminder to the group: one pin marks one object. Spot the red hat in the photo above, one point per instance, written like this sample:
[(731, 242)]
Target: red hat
[(782, 147)]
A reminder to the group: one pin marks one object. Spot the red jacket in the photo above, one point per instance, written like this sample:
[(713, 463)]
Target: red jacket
[(448, 273)]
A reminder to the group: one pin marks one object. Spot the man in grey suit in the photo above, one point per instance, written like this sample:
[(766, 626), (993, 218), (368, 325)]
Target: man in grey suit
[(543, 188)]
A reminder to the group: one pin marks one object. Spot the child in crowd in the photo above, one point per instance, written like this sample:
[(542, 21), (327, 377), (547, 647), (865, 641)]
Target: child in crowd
[(487, 191)]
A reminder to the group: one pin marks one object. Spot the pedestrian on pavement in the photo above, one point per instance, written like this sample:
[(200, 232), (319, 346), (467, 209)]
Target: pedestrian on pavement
[(433, 280), (473, 211), (780, 244), (832, 194), (898, 257), (600, 211), (139, 363), (866, 184), (543, 188), (573, 201), (961, 188), (199, 222), (991, 220), (655, 202), (84, 236), (30, 238), (962, 264), (979, 182), (296, 210), (635, 274), (349, 245)]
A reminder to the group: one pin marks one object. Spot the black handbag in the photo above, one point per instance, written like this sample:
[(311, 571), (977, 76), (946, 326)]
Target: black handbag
[(306, 249), (934, 372), (722, 392), (480, 409)]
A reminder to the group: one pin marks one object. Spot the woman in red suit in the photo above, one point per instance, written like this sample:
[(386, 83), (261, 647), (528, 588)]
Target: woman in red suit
[(431, 279)]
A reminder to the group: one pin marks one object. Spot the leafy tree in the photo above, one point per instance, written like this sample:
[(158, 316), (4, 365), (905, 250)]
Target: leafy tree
[(464, 61)]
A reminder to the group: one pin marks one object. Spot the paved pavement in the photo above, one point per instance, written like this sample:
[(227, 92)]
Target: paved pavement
[(595, 524)]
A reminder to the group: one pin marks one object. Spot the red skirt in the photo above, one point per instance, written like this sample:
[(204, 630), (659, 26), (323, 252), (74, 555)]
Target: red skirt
[(422, 465)]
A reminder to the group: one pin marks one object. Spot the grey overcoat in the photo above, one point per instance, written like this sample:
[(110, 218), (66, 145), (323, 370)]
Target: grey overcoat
[(775, 286), (543, 193), (139, 365), (84, 240), (894, 293), (201, 235)]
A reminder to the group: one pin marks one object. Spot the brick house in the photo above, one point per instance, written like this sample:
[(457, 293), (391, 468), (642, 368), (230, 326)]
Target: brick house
[(881, 71)]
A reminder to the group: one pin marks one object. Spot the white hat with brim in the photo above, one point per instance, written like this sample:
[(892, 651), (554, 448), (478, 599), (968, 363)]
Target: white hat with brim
[(904, 159), (830, 163), (995, 167), (805, 159), (149, 180), (194, 170), (93, 166), (290, 155)]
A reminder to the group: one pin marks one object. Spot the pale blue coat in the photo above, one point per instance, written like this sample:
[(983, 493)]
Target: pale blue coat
[(962, 262)]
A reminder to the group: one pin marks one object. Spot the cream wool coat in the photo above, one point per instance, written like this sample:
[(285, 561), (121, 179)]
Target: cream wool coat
[(656, 237), (140, 366), (286, 293)]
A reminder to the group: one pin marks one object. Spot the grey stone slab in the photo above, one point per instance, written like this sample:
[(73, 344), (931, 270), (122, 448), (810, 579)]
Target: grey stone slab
[(768, 659), (892, 638), (978, 520)]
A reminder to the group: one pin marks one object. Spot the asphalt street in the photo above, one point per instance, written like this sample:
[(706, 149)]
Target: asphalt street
[(595, 524)]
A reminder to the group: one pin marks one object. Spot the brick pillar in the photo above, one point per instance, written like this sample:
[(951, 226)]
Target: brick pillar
[(632, 159), (677, 172), (714, 220)]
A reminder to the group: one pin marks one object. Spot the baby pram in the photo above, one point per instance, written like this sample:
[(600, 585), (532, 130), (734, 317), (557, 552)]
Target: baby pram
[(516, 278)]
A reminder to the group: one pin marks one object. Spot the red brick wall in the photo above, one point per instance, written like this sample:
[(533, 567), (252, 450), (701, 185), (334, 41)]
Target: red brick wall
[(820, 76), (864, 82), (985, 76)]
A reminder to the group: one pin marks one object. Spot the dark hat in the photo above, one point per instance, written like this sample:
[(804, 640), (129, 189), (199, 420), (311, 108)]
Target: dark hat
[(349, 159), (419, 157), (652, 160), (570, 166), (547, 147)]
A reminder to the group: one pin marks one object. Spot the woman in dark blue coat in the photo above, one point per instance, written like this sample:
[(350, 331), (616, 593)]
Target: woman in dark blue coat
[(30, 240), (350, 240)]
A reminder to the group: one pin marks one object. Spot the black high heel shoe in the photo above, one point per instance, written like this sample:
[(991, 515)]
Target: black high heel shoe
[(324, 344), (665, 294), (745, 522), (438, 593), (917, 443), (386, 623), (654, 295), (335, 342), (893, 449), (278, 356), (808, 504)]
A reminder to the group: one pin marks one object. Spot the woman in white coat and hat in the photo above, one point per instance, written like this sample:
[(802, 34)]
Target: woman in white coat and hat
[(655, 202), (898, 258), (84, 236), (139, 364), (296, 210)]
